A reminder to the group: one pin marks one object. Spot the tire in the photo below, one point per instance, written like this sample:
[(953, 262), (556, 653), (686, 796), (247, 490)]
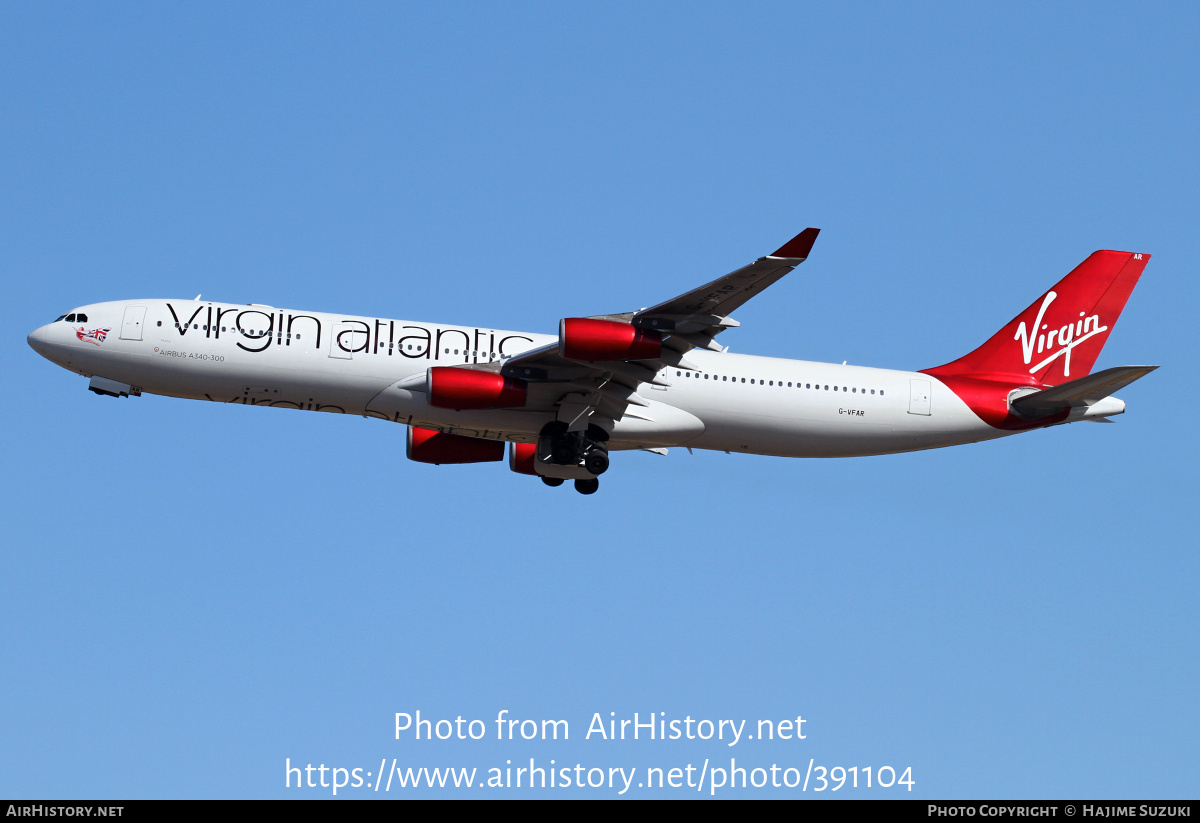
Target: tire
[(587, 486), (552, 481), (563, 452), (596, 462)]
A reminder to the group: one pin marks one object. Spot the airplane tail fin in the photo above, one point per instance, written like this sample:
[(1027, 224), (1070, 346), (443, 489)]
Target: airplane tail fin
[(1060, 335)]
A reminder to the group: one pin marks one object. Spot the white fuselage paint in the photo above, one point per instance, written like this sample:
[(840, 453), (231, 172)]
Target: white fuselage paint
[(354, 368)]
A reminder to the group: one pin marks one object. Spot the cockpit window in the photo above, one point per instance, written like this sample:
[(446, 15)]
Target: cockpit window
[(70, 318), (60, 317), (81, 318)]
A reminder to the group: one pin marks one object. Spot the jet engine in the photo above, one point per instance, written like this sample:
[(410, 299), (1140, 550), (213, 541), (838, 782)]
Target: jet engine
[(521, 457), (429, 446), (582, 338), (454, 388)]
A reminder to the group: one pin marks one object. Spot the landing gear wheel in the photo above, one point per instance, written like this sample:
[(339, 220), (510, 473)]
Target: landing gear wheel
[(587, 486), (564, 452), (596, 462), (552, 481)]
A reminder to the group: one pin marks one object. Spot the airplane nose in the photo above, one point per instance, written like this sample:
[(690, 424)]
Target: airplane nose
[(39, 340)]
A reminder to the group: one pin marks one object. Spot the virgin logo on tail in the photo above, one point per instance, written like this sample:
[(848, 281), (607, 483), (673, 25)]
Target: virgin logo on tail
[(1068, 337)]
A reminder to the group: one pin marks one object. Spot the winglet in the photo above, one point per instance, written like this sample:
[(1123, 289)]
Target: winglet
[(799, 246)]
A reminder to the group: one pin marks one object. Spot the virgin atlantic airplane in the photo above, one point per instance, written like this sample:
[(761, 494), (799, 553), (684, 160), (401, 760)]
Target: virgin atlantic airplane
[(647, 379)]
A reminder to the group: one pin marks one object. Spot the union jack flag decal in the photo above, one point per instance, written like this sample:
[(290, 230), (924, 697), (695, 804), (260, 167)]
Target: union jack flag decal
[(95, 336)]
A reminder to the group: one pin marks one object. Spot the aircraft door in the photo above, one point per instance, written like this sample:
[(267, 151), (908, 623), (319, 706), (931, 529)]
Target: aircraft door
[(347, 338), (131, 325), (918, 397)]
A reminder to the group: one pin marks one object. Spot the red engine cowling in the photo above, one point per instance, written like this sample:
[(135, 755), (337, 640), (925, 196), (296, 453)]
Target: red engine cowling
[(429, 446), (581, 338), (521, 457), (453, 388)]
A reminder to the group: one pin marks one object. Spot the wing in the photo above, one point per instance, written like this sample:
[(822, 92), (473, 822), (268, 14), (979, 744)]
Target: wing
[(599, 384), (704, 312)]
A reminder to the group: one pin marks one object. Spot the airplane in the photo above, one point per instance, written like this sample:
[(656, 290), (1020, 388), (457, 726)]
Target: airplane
[(650, 379)]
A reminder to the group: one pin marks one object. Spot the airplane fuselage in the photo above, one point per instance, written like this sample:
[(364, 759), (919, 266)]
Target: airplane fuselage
[(264, 356)]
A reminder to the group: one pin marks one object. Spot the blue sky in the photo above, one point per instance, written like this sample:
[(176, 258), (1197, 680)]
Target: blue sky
[(196, 593)]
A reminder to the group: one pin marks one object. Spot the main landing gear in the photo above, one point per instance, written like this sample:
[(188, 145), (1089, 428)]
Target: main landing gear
[(578, 450)]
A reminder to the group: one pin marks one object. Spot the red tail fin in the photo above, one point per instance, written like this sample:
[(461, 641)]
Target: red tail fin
[(1059, 337)]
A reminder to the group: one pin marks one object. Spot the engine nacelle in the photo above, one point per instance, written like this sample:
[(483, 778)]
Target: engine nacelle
[(454, 388), (581, 338), (429, 446), (521, 457)]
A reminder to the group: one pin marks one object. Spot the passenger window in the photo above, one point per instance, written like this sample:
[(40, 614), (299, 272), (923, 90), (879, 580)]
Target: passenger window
[(160, 322)]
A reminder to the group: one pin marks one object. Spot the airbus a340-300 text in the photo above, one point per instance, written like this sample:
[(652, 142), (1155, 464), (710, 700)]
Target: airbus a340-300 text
[(648, 379)]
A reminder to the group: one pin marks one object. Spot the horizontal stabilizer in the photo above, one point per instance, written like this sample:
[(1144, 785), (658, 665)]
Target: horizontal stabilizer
[(1085, 391)]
